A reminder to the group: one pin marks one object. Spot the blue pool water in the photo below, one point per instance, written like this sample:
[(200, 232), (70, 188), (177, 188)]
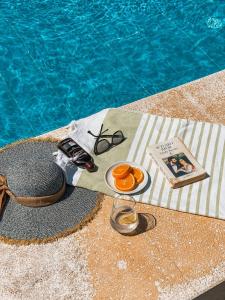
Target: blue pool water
[(65, 59)]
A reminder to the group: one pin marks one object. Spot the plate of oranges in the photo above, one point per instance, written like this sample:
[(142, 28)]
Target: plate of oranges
[(126, 177)]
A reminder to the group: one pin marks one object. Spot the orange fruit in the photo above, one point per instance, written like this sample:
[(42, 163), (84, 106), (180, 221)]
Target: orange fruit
[(125, 184), (121, 171), (138, 174)]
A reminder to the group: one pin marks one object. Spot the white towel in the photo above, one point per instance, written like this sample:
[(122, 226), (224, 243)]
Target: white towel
[(78, 132)]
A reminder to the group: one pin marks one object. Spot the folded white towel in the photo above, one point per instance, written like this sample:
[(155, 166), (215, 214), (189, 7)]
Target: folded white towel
[(78, 129), (78, 132)]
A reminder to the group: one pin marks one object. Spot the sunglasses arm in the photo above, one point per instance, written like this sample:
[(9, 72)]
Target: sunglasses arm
[(100, 135), (92, 134)]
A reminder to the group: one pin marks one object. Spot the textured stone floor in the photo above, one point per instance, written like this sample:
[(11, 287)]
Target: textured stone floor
[(183, 256)]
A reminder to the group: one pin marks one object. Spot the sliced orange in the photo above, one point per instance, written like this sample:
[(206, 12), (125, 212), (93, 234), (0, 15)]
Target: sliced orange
[(121, 171), (138, 174), (125, 184)]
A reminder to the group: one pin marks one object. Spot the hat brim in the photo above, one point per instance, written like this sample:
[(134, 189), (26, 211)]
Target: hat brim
[(24, 225)]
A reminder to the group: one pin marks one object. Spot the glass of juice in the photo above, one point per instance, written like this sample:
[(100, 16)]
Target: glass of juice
[(124, 218)]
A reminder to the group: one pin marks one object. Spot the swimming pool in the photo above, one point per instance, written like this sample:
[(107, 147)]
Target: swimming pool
[(65, 59)]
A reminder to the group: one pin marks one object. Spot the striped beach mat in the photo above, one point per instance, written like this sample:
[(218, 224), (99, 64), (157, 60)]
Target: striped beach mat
[(206, 141)]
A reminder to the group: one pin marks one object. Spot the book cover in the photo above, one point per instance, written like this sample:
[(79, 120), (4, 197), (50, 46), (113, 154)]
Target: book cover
[(177, 162)]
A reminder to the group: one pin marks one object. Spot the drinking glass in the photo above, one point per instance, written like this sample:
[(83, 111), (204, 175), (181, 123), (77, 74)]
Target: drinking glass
[(124, 218)]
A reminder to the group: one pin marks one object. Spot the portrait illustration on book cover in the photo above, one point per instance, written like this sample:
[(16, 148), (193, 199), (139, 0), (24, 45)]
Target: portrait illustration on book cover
[(179, 164)]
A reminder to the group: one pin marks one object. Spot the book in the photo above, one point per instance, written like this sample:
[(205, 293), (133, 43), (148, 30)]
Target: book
[(176, 162)]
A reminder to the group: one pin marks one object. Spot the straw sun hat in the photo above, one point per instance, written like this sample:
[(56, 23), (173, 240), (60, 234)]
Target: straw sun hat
[(36, 204)]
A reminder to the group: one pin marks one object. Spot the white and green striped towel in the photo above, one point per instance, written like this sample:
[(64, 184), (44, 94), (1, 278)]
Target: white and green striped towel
[(205, 140)]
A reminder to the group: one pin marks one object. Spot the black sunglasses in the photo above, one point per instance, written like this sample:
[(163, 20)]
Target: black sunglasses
[(102, 145)]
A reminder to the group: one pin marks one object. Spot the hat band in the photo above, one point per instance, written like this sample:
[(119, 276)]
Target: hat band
[(28, 201)]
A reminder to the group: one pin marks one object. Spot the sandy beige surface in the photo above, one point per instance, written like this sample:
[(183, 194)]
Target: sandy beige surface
[(180, 258)]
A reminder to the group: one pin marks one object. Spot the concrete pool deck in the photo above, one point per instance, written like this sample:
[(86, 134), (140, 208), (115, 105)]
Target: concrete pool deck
[(182, 257)]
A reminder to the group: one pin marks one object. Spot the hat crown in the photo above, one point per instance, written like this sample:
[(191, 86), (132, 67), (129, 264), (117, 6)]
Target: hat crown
[(34, 178)]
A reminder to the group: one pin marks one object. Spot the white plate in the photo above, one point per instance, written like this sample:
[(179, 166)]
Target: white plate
[(109, 179)]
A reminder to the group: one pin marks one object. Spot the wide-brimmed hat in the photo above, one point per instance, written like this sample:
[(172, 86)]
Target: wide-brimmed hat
[(36, 204)]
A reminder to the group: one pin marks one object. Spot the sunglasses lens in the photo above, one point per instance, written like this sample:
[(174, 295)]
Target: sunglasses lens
[(102, 146), (117, 137)]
